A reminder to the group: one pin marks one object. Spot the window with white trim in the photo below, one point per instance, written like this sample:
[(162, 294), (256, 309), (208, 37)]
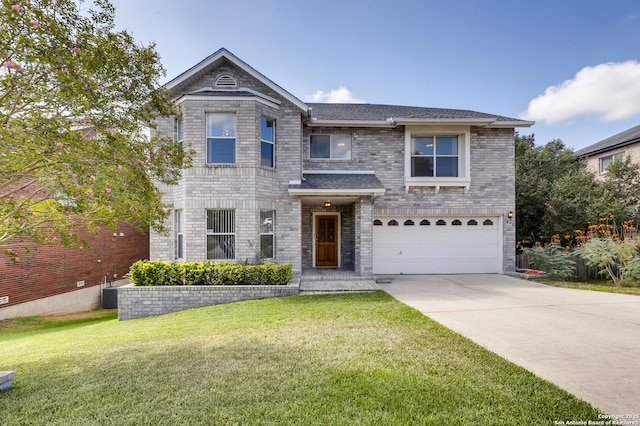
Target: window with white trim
[(608, 159), (437, 156), (434, 156), (267, 142), (267, 239), (221, 234), (221, 138), (177, 129), (178, 225), (331, 147)]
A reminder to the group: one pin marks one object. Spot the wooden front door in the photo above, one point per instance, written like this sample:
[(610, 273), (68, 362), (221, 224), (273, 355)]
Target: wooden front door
[(327, 240)]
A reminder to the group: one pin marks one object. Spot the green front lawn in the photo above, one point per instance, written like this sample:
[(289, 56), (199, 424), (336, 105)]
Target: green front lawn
[(604, 285), (305, 360)]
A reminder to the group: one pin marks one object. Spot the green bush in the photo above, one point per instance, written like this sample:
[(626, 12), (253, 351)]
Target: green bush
[(554, 260), (620, 259), (154, 273)]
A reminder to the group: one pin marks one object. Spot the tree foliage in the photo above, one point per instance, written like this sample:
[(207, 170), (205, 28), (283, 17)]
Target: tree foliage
[(78, 101), (556, 194)]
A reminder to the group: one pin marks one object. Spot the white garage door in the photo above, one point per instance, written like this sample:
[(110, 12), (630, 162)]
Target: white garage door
[(436, 245)]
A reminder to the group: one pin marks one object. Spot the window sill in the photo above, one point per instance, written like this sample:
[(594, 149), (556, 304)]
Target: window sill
[(329, 160), (437, 183)]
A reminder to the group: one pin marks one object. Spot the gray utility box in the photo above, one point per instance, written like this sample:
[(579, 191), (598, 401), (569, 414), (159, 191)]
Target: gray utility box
[(110, 297)]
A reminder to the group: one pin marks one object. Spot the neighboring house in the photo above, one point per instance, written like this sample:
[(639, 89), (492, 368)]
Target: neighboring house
[(375, 189), (600, 154), (50, 279)]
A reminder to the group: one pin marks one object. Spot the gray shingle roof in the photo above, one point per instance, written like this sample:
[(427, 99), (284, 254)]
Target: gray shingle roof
[(339, 182), (623, 138), (374, 112)]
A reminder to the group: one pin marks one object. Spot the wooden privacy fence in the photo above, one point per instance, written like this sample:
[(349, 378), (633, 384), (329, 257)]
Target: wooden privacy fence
[(582, 271)]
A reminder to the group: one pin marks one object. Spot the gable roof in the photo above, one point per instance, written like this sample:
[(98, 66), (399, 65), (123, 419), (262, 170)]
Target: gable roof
[(206, 65), (621, 139), (323, 114), (391, 115)]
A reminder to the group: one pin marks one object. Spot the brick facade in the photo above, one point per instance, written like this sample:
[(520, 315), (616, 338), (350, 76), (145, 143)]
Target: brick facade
[(42, 271), (248, 187), (593, 162)]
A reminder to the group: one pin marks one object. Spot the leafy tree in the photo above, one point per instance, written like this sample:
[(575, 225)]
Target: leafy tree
[(574, 199), (621, 190), (556, 194), (537, 168), (77, 105)]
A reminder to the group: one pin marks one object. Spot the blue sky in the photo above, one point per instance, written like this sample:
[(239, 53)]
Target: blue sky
[(573, 66)]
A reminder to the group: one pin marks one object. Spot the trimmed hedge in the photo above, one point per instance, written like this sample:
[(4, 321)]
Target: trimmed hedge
[(157, 273)]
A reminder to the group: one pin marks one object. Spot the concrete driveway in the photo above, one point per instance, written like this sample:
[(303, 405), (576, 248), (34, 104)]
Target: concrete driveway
[(587, 343)]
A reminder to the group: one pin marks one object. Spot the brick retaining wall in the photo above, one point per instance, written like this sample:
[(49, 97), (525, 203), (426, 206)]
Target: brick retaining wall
[(142, 301)]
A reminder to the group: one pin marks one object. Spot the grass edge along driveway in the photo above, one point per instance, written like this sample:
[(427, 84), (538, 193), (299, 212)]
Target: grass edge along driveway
[(312, 360)]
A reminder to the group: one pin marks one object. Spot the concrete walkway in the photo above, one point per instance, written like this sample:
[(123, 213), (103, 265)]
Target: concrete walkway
[(587, 343)]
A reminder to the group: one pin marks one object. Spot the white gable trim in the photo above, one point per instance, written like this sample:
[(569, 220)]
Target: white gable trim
[(225, 54)]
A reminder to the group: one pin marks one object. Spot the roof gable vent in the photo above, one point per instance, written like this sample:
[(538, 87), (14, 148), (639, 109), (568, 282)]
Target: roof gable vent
[(226, 81)]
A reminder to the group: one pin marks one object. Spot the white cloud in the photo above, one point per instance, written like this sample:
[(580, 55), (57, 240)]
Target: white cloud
[(337, 96), (609, 91)]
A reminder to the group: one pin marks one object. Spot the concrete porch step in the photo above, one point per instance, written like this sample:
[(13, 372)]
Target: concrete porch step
[(337, 286)]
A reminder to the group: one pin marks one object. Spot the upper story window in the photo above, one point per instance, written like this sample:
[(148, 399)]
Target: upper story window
[(434, 156), (334, 147), (606, 160), (267, 142), (437, 156), (177, 129), (221, 138)]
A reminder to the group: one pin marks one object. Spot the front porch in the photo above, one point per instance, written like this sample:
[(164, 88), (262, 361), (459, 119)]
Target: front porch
[(338, 280)]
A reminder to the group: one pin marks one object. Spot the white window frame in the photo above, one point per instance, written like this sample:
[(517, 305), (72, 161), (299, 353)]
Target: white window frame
[(330, 157), (178, 129), (435, 155), (272, 142), (464, 155), (234, 136), (263, 217), (179, 233), (604, 161), (230, 231)]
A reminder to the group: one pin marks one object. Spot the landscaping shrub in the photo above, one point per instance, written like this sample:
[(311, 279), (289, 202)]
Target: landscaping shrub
[(619, 258), (554, 260), (154, 273)]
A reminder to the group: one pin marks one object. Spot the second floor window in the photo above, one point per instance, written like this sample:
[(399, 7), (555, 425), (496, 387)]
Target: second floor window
[(267, 142), (434, 156), (221, 138), (334, 147), (177, 129), (605, 161)]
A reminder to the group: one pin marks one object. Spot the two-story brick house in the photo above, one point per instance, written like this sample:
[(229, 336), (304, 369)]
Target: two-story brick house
[(375, 189)]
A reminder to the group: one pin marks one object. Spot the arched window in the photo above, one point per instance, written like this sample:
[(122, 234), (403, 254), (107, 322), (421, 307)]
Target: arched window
[(408, 222), (441, 223), (472, 223), (456, 222), (393, 222), (487, 222), (377, 222), (425, 222)]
